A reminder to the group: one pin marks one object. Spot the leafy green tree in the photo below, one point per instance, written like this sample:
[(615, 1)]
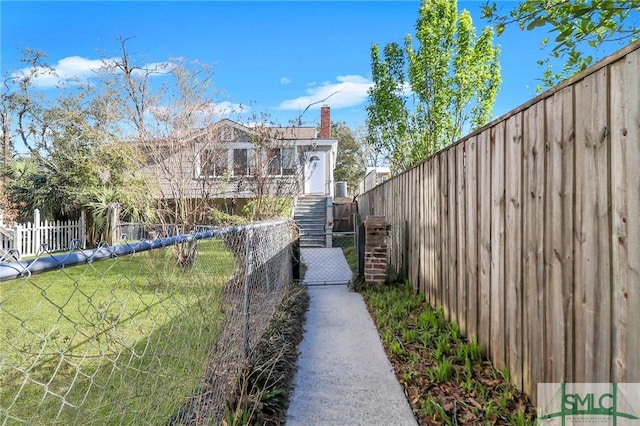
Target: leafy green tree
[(79, 165), (350, 164), (75, 151), (435, 87), (577, 27), (387, 114)]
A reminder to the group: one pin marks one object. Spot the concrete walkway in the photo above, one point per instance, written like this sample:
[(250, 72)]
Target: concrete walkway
[(344, 376)]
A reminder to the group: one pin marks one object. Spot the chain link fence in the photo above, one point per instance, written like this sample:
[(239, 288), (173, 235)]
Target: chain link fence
[(146, 332)]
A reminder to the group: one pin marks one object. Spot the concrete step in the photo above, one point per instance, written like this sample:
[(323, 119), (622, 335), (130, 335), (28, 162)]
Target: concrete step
[(303, 223), (307, 201), (304, 203), (312, 233), (311, 220), (305, 213), (308, 198), (310, 217), (310, 208), (312, 236), (311, 225), (312, 243)]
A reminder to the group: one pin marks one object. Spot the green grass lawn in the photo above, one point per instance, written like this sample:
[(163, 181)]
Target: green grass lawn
[(118, 341)]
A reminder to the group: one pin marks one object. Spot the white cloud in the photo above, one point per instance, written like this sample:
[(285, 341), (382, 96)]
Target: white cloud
[(227, 108), (71, 69), (76, 69), (206, 111), (346, 91), (285, 80)]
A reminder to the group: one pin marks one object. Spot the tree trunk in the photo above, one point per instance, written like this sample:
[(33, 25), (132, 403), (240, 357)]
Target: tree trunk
[(6, 143)]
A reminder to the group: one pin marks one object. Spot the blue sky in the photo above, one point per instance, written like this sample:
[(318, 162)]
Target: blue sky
[(276, 57)]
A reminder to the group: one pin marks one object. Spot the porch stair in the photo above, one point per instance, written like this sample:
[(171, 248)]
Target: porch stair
[(311, 217)]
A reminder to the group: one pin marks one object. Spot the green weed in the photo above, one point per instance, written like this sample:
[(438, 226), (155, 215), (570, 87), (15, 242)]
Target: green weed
[(431, 408), (410, 336), (395, 347)]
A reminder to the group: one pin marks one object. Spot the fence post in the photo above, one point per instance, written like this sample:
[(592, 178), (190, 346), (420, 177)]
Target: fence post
[(82, 232), (37, 240), (361, 241), (113, 214), (247, 289), (355, 238), (328, 228), (17, 240), (295, 259)]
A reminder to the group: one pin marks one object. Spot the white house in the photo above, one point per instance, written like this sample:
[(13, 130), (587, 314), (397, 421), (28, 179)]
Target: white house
[(229, 161)]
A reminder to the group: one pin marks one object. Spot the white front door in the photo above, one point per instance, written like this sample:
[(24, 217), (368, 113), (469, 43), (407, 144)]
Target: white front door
[(315, 173)]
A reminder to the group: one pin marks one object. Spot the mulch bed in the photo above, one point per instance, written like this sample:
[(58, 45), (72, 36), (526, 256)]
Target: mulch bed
[(445, 378)]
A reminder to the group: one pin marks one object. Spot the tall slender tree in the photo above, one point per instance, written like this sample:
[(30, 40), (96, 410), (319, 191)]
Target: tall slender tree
[(427, 93), (350, 162)]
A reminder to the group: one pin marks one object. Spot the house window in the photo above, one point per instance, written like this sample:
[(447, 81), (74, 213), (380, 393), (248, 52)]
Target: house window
[(213, 162), (282, 161), (240, 162)]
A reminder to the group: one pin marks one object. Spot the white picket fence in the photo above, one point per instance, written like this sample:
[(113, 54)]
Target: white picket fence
[(33, 237)]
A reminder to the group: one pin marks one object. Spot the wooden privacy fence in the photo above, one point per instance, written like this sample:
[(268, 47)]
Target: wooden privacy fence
[(28, 238), (527, 232)]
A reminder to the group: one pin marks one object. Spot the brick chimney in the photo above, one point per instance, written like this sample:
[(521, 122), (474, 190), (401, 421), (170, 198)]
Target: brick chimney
[(325, 122)]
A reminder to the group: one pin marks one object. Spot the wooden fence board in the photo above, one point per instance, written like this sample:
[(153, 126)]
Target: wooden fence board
[(497, 245), (591, 246), (392, 241), (484, 238), (513, 247), (395, 228), (533, 336), (413, 263), (416, 228), (625, 206), (445, 239), (405, 222), (422, 257), (428, 222), (435, 226), (461, 255), (452, 236), (406, 217), (558, 221), (437, 230), (391, 253), (471, 214)]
